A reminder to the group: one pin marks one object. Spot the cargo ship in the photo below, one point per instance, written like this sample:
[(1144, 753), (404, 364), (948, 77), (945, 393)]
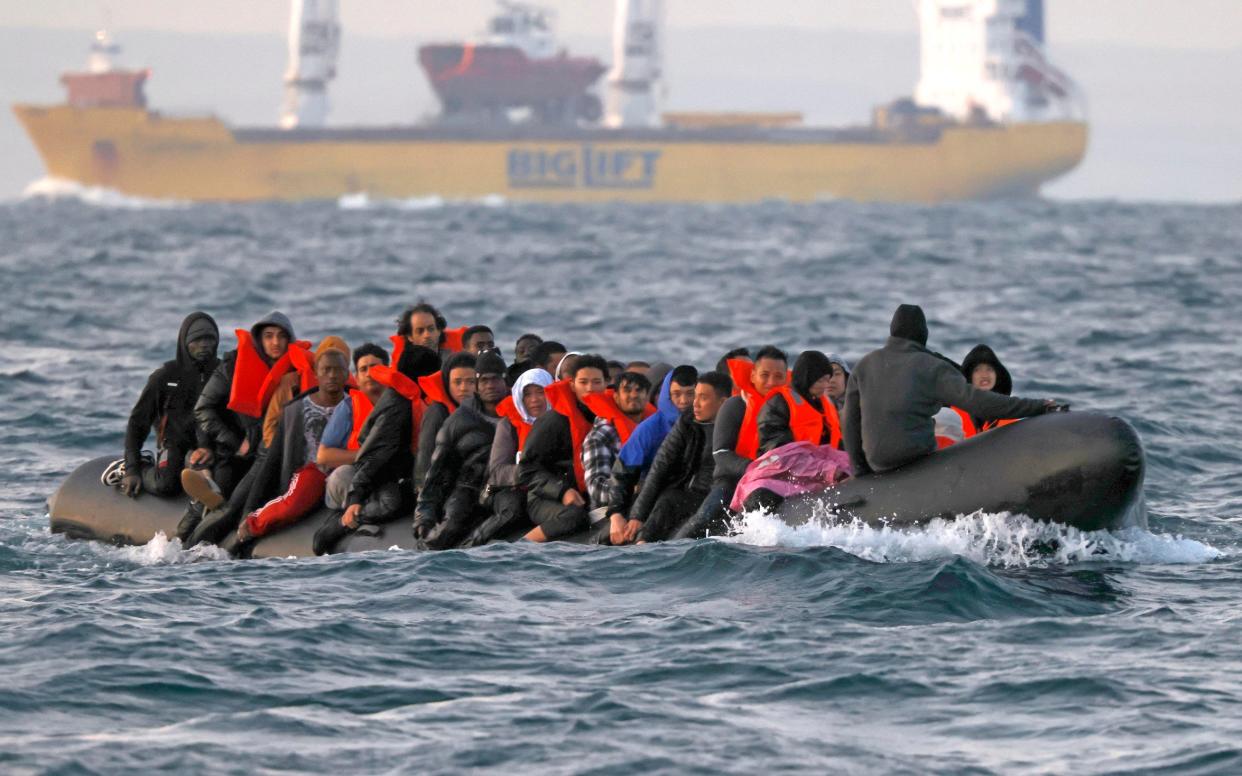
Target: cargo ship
[(990, 117)]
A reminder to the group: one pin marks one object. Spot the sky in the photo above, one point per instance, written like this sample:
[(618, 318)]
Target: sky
[(1189, 24), (1162, 77)]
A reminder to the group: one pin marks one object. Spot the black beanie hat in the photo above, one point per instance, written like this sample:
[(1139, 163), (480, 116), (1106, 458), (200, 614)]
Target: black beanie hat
[(810, 366), (909, 323), (489, 364), (418, 361)]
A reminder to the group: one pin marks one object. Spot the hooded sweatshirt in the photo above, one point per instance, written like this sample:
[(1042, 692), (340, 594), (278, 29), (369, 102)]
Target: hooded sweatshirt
[(167, 401), (895, 392), (639, 451), (435, 415), (502, 462), (224, 429)]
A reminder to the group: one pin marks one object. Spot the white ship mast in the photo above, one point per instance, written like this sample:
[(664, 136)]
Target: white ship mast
[(314, 39), (636, 70), (985, 58)]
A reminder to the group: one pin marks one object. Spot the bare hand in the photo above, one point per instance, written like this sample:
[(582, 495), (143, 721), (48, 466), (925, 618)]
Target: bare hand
[(631, 530), (200, 457), (573, 498), (244, 450), (131, 485), (243, 531), (616, 529), (350, 518)]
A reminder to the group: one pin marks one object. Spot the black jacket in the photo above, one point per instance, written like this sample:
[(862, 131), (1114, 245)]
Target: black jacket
[(463, 446), (729, 465), (892, 396), (384, 446), (684, 462), (434, 417), (167, 401), (547, 467)]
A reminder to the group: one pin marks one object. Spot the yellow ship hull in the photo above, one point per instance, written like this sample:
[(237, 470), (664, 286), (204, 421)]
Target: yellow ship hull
[(145, 154)]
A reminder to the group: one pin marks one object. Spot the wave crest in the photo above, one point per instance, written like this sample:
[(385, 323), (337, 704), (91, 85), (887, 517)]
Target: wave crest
[(52, 189), (1002, 539)]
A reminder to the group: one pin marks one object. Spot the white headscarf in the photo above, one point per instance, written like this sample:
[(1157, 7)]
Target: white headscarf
[(564, 358), (536, 376)]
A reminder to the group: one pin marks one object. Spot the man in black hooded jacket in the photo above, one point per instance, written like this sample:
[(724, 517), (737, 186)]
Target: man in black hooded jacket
[(895, 392), (382, 488), (448, 503), (167, 405), (809, 379)]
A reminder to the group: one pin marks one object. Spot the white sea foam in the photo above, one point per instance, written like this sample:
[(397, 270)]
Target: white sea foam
[(992, 539), (162, 551), (58, 188), (364, 201)]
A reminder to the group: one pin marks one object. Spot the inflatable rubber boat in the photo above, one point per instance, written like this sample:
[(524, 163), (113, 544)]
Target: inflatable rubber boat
[(1079, 469)]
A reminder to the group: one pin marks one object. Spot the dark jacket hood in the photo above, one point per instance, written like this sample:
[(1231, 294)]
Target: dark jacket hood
[(184, 361), (455, 361), (274, 318), (909, 323), (417, 361), (810, 366), (982, 354)]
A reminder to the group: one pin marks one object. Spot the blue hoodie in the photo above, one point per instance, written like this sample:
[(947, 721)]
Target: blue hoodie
[(640, 449)]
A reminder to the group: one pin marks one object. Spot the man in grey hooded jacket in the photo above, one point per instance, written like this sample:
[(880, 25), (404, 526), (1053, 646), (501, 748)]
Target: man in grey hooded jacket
[(894, 393)]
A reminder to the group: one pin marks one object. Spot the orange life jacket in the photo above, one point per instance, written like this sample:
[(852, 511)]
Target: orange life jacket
[(509, 409), (740, 370), (807, 422), (254, 381), (360, 406), (605, 405), (433, 391), (968, 423), (389, 377), (563, 400), (452, 339)]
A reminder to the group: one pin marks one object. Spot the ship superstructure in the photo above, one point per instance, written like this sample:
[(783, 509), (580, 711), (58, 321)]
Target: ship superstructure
[(991, 117)]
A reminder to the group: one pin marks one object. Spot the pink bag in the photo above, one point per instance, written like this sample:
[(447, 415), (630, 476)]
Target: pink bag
[(798, 467)]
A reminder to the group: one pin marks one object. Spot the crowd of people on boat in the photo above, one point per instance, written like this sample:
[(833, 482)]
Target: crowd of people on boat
[(553, 444)]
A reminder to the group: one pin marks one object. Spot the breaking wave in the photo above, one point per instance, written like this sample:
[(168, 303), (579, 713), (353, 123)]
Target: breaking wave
[(1003, 540), (364, 201), (52, 189)]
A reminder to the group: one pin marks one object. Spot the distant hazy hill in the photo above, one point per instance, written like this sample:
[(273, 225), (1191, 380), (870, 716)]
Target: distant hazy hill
[(1165, 124)]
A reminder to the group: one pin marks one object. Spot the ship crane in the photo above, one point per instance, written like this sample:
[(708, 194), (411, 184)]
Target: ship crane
[(637, 54), (314, 40)]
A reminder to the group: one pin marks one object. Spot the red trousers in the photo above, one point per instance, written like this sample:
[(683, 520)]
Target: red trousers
[(305, 493)]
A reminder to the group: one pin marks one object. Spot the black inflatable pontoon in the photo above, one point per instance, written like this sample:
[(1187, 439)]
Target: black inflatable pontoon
[(1079, 469)]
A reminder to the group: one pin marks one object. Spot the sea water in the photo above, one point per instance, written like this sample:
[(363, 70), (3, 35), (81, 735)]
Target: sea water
[(985, 644)]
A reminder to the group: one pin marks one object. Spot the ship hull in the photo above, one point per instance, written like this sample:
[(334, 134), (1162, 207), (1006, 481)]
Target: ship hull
[(146, 154)]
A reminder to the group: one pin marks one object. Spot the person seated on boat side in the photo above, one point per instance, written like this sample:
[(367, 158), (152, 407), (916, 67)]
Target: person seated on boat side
[(503, 495), (339, 446), (615, 370), (449, 503), (548, 355), (801, 411), (684, 468), (636, 455), (551, 466), (840, 377), (895, 392), (443, 392), (523, 358), (616, 417), (985, 372), (382, 487), (229, 413), (166, 404), (735, 444), (289, 478), (479, 339)]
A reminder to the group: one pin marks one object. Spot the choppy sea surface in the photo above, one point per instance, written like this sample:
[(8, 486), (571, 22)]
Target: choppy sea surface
[(985, 645)]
